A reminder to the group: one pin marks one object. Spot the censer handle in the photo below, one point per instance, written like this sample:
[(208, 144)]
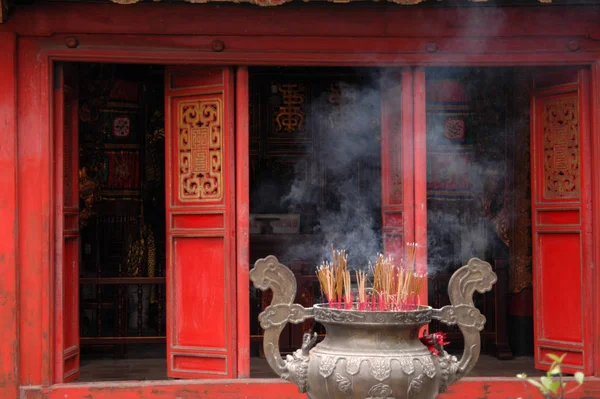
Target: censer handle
[(268, 273), (476, 275)]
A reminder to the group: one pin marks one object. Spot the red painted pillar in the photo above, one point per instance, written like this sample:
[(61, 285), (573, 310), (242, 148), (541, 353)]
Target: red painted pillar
[(595, 149), (242, 211), (420, 168), (34, 174), (9, 385)]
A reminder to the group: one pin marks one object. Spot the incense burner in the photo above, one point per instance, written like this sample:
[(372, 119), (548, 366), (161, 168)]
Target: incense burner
[(371, 354)]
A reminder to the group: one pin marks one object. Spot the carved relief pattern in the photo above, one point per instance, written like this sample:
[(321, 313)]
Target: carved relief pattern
[(448, 366), (454, 129), (411, 318), (327, 365), (280, 314), (290, 115), (407, 364), (353, 365), (380, 391), (200, 150), (344, 385), (461, 314), (560, 142), (428, 366), (415, 386), (381, 368), (326, 315)]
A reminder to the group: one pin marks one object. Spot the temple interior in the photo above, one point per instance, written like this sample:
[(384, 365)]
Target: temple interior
[(315, 180)]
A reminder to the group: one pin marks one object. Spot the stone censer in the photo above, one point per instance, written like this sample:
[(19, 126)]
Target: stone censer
[(371, 354)]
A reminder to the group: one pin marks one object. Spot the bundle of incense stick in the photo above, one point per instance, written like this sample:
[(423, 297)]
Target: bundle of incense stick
[(394, 288)]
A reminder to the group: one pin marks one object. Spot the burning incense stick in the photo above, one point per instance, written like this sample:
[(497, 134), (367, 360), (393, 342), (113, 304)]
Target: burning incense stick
[(361, 281), (394, 288)]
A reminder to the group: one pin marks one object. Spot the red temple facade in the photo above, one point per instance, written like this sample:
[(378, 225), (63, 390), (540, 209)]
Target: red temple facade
[(494, 108)]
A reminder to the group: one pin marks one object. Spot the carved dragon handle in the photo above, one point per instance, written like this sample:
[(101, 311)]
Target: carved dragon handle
[(476, 275), (268, 273)]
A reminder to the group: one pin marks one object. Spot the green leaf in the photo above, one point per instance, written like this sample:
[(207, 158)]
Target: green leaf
[(554, 386), (555, 358), (555, 371), (579, 377), (546, 382)]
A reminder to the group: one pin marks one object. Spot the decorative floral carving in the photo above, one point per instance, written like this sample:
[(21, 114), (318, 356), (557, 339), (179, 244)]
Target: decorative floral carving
[(353, 365), (343, 384), (380, 391), (290, 115), (428, 366), (200, 150), (381, 367), (407, 364), (327, 365), (560, 141)]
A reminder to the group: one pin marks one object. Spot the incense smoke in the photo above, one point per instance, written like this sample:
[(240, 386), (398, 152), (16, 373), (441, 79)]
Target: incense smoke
[(348, 213)]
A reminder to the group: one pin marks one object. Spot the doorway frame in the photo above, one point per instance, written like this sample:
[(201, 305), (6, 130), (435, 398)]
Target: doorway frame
[(35, 67)]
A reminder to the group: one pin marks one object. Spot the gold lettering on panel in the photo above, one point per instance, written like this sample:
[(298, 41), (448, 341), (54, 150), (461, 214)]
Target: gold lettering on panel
[(290, 115)]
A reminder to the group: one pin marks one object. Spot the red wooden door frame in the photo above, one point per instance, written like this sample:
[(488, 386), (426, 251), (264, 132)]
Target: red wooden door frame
[(66, 222), (35, 59)]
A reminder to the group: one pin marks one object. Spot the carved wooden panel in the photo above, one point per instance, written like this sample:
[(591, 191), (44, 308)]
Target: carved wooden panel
[(561, 147), (199, 148)]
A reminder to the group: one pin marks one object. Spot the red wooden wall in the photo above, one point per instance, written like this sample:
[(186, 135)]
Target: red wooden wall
[(228, 35)]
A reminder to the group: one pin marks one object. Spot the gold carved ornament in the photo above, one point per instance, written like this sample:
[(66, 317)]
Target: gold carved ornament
[(290, 115), (200, 150), (560, 140)]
